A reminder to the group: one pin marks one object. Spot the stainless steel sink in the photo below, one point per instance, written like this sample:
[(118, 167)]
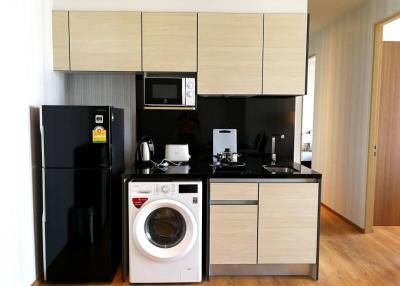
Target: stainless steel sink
[(279, 170)]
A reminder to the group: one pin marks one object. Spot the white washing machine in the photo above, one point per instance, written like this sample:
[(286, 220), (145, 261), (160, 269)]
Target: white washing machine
[(165, 232)]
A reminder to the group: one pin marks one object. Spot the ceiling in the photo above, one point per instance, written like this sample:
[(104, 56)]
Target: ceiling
[(325, 12)]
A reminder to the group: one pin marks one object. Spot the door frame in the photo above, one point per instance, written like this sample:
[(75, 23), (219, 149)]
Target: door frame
[(374, 122)]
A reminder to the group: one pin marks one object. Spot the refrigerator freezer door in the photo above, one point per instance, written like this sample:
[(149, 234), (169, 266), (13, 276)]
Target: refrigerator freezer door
[(76, 136)]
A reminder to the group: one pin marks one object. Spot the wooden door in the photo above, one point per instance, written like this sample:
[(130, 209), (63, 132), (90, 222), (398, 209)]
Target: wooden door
[(105, 41), (230, 54), (288, 223), (170, 42), (387, 190), (285, 54), (233, 234), (60, 40)]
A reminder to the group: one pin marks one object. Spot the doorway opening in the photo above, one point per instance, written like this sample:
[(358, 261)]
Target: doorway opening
[(383, 185), (307, 125)]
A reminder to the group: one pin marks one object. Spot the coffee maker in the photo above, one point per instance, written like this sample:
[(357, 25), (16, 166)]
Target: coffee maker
[(145, 152)]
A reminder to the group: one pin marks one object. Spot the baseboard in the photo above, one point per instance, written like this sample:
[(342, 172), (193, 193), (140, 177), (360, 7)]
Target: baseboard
[(309, 270), (343, 218), (38, 281)]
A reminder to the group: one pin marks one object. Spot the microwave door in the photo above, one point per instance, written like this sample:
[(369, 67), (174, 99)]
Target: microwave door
[(164, 92)]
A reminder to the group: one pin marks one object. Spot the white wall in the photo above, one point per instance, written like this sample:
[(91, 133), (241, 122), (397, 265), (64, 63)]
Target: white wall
[(242, 6), (391, 31), (344, 53), (27, 80)]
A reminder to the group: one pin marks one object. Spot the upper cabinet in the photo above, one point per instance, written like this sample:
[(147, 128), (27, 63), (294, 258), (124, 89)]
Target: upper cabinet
[(169, 42), (60, 40), (230, 53), (233, 54), (105, 41), (285, 54)]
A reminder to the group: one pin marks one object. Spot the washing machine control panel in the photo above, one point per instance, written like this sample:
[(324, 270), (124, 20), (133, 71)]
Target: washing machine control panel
[(144, 191), (163, 188)]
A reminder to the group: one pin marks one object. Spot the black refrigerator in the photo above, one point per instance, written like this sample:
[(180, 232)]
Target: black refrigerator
[(82, 161)]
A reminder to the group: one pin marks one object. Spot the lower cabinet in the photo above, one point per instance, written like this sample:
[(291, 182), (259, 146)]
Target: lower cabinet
[(264, 223), (233, 234), (288, 223)]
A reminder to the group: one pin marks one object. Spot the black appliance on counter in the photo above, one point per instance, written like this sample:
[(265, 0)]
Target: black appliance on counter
[(82, 160)]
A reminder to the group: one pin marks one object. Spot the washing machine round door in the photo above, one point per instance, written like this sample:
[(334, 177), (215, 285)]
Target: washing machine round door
[(165, 230)]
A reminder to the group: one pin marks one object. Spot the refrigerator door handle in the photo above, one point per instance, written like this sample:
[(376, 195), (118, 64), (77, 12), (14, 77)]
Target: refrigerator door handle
[(42, 136), (44, 225), (43, 194)]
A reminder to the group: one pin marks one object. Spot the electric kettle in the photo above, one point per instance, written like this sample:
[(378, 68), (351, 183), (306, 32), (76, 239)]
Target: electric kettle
[(145, 152)]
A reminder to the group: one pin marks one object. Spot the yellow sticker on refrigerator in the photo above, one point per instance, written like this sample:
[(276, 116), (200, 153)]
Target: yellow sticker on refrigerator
[(99, 135)]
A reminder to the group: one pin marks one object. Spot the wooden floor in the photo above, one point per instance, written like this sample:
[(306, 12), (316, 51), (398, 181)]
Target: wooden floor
[(347, 257)]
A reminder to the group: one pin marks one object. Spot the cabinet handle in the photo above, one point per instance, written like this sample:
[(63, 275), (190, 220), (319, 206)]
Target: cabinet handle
[(233, 202)]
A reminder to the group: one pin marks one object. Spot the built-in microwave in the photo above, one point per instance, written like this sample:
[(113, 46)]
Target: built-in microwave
[(174, 91)]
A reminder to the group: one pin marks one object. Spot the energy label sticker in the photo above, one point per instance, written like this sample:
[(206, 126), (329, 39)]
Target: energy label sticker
[(99, 135)]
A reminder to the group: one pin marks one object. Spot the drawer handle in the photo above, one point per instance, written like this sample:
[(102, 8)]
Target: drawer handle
[(233, 202)]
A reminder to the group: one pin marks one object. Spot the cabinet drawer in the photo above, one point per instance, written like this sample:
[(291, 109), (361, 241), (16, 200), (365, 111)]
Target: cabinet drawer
[(233, 234), (234, 191)]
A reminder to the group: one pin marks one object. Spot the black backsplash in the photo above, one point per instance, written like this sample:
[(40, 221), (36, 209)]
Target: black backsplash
[(254, 118)]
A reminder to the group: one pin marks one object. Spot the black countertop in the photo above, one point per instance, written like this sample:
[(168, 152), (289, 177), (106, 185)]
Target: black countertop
[(202, 169)]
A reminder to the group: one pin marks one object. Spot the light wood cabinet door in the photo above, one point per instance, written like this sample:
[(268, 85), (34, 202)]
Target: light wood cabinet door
[(285, 54), (60, 40), (288, 223), (170, 42), (105, 41), (230, 54), (233, 234)]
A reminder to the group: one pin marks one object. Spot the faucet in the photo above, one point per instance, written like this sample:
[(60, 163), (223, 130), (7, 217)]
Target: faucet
[(273, 154)]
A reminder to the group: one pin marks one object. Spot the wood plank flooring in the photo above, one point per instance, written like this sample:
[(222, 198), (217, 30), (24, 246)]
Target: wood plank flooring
[(348, 257)]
